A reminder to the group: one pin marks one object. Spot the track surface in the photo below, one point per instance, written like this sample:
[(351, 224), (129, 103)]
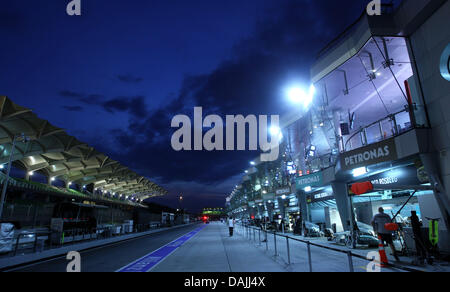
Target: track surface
[(112, 257)]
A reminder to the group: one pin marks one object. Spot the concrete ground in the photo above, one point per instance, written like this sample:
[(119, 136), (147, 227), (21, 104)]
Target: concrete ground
[(210, 249), (110, 258), (213, 250), (327, 260)]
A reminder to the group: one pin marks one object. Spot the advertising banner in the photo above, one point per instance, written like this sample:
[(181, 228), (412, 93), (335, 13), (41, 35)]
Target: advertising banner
[(283, 191), (268, 197), (312, 180), (320, 196), (372, 154), (401, 176)]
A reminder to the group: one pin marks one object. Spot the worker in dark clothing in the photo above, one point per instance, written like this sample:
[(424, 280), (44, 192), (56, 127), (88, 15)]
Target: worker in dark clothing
[(418, 240), (298, 226), (378, 222)]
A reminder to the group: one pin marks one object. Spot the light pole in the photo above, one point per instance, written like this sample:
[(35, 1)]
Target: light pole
[(181, 202), (20, 137)]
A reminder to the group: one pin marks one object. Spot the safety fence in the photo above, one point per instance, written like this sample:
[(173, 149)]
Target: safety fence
[(38, 241), (309, 256), (385, 128)]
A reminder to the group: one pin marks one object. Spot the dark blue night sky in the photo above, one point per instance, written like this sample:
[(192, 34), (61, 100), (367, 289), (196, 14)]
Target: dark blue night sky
[(115, 76)]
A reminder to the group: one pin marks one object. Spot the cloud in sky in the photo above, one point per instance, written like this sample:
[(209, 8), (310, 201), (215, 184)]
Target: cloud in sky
[(128, 78), (123, 80)]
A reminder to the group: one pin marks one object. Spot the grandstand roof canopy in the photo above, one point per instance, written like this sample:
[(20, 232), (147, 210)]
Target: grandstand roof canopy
[(54, 153)]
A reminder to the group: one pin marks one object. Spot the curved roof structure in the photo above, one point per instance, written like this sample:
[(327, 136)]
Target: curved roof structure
[(54, 153)]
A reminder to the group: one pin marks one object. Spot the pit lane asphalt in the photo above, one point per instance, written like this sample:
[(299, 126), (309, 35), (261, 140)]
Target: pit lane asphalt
[(112, 257)]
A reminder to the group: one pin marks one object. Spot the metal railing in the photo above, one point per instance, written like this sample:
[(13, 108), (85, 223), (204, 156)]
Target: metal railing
[(250, 233), (380, 130), (38, 241)]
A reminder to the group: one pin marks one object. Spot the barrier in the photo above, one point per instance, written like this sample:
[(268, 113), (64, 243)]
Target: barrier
[(350, 255)]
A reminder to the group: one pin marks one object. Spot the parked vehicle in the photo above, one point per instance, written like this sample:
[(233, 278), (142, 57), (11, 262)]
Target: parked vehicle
[(366, 236), (313, 230), (328, 232)]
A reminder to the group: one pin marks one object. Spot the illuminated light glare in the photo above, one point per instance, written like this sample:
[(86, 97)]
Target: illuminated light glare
[(252, 163), (2, 166), (359, 171), (283, 197), (300, 96), (308, 189), (276, 131), (296, 94), (30, 173), (52, 179)]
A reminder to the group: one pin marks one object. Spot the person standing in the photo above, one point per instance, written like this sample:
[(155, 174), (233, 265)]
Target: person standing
[(418, 239), (378, 222), (231, 223)]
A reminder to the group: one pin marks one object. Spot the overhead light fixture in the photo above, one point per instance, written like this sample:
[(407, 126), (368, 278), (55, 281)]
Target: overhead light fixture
[(275, 132), (252, 163), (299, 96), (359, 171), (283, 197), (30, 173), (308, 189)]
